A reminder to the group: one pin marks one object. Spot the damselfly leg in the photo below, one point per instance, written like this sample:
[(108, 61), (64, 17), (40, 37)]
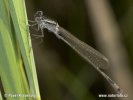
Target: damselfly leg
[(35, 34)]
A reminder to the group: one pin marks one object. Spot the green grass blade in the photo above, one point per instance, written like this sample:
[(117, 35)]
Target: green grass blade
[(9, 70), (19, 19), (15, 51), (1, 96)]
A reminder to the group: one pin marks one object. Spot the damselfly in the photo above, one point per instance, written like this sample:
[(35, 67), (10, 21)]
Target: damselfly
[(92, 56)]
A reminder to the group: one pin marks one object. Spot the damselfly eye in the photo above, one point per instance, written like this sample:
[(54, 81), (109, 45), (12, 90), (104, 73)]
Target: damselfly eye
[(39, 13)]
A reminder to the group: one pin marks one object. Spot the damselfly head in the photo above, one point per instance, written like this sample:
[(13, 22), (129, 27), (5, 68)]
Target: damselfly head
[(38, 16)]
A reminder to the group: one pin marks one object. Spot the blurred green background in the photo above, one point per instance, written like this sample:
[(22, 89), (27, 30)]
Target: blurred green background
[(62, 74)]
